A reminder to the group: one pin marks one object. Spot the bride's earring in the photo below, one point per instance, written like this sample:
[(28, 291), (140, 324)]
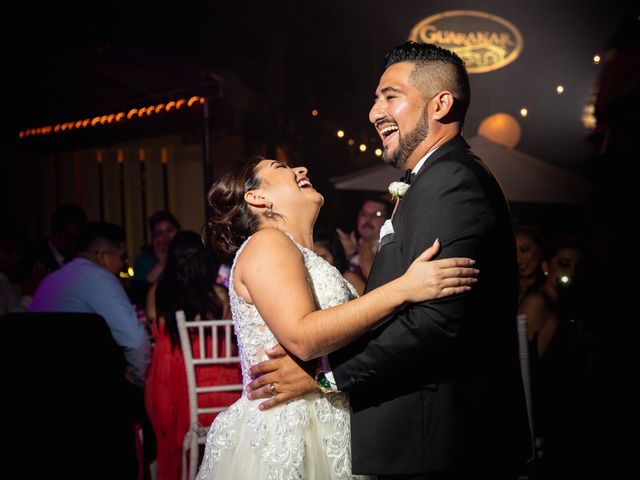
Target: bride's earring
[(269, 206)]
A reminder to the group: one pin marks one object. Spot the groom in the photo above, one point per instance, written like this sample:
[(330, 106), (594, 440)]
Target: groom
[(436, 390)]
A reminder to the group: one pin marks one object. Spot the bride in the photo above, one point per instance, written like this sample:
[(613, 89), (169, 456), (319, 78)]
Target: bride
[(282, 292)]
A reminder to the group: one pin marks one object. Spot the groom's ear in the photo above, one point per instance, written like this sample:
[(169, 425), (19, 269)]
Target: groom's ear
[(443, 104)]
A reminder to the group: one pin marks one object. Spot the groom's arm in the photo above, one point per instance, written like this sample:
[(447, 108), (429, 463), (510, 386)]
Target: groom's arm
[(452, 206)]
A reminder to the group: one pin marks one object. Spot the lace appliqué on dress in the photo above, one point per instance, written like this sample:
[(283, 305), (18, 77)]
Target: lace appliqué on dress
[(338, 445), (220, 437)]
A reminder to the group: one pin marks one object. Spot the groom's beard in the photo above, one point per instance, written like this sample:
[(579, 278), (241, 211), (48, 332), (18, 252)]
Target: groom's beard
[(408, 144)]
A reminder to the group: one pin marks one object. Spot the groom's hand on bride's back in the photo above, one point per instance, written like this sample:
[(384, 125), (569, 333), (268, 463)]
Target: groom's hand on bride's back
[(288, 376)]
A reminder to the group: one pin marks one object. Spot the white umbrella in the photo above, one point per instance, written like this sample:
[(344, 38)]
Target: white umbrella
[(523, 178)]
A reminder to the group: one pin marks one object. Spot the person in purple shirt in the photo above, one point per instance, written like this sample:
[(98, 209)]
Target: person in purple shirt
[(89, 284)]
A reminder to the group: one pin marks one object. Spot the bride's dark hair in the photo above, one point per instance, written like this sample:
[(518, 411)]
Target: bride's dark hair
[(231, 220), (187, 283)]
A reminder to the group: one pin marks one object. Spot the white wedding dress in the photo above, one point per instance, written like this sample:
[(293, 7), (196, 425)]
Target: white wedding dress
[(308, 438)]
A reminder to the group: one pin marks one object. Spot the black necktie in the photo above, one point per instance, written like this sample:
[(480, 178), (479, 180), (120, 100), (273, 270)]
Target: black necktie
[(408, 176)]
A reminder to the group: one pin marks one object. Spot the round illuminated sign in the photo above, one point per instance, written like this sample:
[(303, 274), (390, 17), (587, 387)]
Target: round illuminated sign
[(485, 42)]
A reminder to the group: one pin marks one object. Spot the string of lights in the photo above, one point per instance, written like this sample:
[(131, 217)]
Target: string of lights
[(112, 118), (350, 141)]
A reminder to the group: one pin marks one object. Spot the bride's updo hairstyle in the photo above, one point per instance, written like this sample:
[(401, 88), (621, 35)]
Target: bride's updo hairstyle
[(231, 220)]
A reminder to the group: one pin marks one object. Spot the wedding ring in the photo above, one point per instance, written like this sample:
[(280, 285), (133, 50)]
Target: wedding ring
[(272, 389)]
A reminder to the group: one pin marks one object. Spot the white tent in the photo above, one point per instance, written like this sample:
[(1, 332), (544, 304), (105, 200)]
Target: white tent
[(523, 178)]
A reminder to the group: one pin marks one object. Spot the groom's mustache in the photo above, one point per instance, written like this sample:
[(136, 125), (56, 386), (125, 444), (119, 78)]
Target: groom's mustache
[(382, 121)]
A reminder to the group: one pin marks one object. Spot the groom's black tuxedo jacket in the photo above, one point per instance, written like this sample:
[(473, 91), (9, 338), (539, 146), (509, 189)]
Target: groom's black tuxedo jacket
[(438, 385)]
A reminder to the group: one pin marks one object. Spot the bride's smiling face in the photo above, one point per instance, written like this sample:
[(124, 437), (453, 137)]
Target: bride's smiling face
[(288, 189)]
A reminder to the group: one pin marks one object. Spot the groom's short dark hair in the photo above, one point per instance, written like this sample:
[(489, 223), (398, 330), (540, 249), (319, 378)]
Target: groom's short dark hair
[(436, 69)]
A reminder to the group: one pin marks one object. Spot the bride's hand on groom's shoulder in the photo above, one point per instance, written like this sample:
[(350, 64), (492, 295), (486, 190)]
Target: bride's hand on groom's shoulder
[(286, 376), (428, 279)]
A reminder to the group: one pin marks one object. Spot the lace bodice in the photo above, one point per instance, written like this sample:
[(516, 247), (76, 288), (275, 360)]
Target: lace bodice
[(305, 438), (329, 289)]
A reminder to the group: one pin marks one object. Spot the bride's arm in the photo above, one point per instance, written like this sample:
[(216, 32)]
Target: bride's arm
[(270, 273)]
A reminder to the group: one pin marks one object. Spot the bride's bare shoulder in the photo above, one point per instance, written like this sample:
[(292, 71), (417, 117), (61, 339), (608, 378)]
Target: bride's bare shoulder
[(268, 243), (270, 254)]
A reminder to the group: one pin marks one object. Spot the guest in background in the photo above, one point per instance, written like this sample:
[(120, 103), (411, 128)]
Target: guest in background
[(89, 283), (150, 262), (19, 274), (187, 283), (11, 296), (530, 249), (329, 247), (371, 216), (541, 306), (61, 244), (607, 290), (559, 369)]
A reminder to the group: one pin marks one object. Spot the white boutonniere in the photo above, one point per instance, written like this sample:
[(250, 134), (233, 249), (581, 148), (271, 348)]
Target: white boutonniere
[(397, 191)]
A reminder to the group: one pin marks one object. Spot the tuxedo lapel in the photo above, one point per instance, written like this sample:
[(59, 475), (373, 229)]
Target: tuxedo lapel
[(456, 143)]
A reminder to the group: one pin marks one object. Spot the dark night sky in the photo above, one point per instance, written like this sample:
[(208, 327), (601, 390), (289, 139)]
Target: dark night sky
[(81, 60)]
